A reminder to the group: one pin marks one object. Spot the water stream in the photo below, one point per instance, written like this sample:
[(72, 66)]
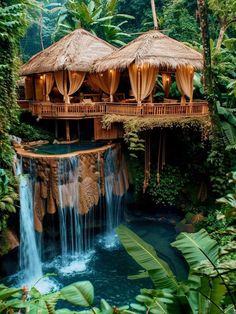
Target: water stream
[(69, 220), (75, 226), (30, 262)]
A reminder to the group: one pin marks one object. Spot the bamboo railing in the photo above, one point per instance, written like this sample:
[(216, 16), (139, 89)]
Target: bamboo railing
[(74, 111)]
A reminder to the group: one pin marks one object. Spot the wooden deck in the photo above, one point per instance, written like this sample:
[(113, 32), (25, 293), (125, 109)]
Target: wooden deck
[(47, 110)]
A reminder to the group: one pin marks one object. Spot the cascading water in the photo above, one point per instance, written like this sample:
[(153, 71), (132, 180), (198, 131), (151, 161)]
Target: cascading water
[(71, 191), (30, 263), (114, 197), (69, 220), (76, 230)]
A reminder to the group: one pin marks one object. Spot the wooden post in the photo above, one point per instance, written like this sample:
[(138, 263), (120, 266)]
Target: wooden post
[(67, 131), (56, 129), (154, 14)]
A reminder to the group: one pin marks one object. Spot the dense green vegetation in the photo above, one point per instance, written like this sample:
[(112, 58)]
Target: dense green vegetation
[(211, 283)]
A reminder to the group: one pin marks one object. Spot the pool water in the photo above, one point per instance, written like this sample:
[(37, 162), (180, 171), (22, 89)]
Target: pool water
[(108, 268), (59, 149)]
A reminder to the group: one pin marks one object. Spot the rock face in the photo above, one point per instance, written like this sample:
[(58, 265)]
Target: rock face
[(55, 177)]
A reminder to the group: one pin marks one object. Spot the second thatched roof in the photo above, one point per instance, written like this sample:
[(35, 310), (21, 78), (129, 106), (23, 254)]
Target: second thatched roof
[(152, 48), (74, 52)]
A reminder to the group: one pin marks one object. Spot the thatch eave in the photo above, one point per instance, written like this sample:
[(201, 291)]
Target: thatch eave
[(75, 52), (152, 48), (104, 65)]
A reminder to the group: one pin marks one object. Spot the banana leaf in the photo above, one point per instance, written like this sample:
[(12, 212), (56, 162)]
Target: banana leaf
[(146, 256), (197, 248)]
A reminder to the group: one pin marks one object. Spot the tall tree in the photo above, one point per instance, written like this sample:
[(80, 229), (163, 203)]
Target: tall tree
[(225, 11), (203, 17), (154, 14)]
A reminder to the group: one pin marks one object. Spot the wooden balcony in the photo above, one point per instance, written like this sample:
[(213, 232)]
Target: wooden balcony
[(47, 110)]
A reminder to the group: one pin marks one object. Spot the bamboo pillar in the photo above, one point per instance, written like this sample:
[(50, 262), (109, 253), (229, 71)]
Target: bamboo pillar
[(67, 131)]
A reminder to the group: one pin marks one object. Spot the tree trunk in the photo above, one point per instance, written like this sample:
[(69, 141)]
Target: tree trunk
[(41, 27), (203, 16), (154, 14), (223, 28)]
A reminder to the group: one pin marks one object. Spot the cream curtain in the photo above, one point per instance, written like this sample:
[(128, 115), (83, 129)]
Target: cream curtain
[(114, 82), (107, 81), (166, 81), (134, 80), (101, 80), (59, 77), (184, 80), (76, 80), (142, 79), (29, 88), (49, 78)]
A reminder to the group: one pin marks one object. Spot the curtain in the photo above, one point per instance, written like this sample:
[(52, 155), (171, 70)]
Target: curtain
[(49, 84), (114, 82), (184, 80), (134, 81), (142, 79), (76, 80), (166, 81), (61, 81), (107, 81), (101, 80), (59, 77), (29, 88)]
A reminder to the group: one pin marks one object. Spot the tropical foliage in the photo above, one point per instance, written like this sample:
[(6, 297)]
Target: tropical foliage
[(160, 192), (13, 15), (99, 17), (8, 196), (79, 294), (207, 286)]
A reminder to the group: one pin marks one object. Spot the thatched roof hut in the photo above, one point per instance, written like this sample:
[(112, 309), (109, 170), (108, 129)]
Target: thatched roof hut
[(150, 54), (153, 48), (74, 52)]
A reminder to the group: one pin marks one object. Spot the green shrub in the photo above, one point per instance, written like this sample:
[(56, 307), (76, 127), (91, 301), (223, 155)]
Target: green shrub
[(8, 196), (169, 191), (30, 133)]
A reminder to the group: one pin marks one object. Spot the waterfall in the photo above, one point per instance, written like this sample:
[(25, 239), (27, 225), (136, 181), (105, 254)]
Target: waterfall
[(114, 180), (69, 219), (73, 190), (30, 263), (76, 230)]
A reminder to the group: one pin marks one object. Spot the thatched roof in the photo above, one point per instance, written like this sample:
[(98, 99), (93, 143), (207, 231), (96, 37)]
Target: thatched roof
[(76, 52), (153, 48)]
